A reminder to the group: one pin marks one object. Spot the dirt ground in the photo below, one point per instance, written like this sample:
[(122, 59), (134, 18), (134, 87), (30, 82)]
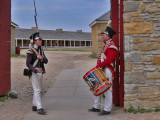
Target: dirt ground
[(14, 109)]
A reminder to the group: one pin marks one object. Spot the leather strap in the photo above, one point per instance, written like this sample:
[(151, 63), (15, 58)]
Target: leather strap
[(35, 51)]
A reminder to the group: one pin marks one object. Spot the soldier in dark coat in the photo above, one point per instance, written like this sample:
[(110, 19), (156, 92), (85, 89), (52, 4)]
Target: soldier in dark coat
[(35, 62)]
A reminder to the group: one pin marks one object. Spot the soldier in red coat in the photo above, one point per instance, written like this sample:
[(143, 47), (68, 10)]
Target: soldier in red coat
[(105, 61)]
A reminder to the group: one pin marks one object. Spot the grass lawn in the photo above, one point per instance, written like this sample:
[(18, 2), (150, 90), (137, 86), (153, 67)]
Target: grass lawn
[(79, 49), (19, 56)]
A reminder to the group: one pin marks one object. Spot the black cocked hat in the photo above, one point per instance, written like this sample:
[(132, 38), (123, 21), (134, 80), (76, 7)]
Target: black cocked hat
[(35, 36), (109, 31)]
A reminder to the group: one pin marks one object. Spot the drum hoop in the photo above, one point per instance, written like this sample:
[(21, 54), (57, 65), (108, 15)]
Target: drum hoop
[(97, 90), (90, 71)]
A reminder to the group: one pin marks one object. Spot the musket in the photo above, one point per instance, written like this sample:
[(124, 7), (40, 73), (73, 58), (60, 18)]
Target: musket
[(36, 28), (35, 16)]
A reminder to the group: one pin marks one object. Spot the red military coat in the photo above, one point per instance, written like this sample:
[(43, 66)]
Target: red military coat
[(108, 56)]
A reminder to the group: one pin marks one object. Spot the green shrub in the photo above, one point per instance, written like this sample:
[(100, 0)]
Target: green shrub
[(93, 56), (3, 97), (139, 110)]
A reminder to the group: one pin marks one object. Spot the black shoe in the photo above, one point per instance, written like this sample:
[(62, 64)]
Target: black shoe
[(104, 113), (41, 111), (94, 110), (117, 105), (34, 108)]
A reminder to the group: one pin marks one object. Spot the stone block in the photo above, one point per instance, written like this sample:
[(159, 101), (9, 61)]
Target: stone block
[(147, 104), (155, 75), (146, 59), (157, 28), (146, 52), (141, 35), (157, 82), (138, 28), (155, 34), (155, 52), (136, 47), (152, 15), (135, 14), (149, 92), (127, 17), (127, 40), (133, 77), (142, 6), (130, 88), (157, 24), (149, 68), (132, 57), (137, 19), (148, 1), (130, 6), (152, 40), (147, 83), (145, 15), (152, 8), (128, 66), (130, 97), (139, 40), (137, 68), (100, 40), (100, 45), (149, 47), (156, 60), (158, 1)]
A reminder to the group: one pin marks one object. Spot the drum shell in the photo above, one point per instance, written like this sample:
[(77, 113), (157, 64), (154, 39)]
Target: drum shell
[(97, 81)]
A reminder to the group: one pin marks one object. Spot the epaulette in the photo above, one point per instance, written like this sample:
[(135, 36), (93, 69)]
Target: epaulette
[(29, 52), (114, 47)]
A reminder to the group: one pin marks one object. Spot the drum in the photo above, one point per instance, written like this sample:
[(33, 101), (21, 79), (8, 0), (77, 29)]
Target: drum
[(97, 81)]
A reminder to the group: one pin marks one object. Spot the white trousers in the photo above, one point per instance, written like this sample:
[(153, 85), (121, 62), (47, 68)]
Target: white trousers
[(36, 80), (108, 95)]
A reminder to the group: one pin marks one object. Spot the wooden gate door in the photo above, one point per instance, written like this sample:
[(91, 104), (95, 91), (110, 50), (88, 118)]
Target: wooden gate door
[(5, 45), (117, 24)]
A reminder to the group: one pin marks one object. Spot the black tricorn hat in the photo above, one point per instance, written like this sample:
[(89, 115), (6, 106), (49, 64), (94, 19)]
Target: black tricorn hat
[(35, 36), (109, 31)]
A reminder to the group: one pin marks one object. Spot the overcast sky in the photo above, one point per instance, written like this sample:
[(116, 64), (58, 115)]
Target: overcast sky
[(70, 15)]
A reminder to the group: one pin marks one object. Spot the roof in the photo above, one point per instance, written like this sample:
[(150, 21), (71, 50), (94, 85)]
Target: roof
[(102, 19), (14, 24), (52, 34)]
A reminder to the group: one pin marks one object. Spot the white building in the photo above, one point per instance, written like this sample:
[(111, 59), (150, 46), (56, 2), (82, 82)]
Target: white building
[(52, 38)]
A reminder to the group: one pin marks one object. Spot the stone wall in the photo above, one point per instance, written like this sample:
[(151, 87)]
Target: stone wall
[(142, 53), (13, 43), (97, 41)]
